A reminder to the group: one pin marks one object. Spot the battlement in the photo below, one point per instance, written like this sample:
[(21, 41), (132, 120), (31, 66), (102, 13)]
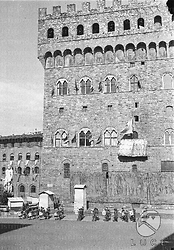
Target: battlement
[(101, 7)]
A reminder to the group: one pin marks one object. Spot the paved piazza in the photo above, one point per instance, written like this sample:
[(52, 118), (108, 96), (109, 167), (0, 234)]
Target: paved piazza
[(85, 235)]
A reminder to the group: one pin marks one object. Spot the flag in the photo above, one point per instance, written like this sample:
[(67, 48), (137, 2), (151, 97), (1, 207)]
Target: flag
[(74, 139), (52, 92), (100, 87), (99, 140), (76, 87), (129, 128)]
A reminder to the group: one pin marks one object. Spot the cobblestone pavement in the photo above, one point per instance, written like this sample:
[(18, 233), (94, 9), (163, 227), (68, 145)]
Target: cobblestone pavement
[(85, 235)]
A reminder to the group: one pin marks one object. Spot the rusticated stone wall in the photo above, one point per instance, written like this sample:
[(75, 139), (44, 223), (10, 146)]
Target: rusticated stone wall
[(158, 188)]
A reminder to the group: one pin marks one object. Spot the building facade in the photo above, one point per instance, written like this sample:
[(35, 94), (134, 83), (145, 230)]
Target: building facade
[(107, 70), (22, 154)]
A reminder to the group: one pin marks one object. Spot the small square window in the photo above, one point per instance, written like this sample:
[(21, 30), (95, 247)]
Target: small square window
[(84, 109), (142, 63), (136, 104), (109, 107), (136, 118), (132, 64), (61, 110)]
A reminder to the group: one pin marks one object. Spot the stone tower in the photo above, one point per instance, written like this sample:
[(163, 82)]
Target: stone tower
[(107, 70)]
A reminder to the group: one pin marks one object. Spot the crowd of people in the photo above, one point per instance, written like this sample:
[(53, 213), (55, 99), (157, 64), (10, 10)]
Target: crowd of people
[(35, 212)]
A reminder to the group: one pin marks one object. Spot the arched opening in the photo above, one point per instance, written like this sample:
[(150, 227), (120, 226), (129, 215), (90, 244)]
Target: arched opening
[(140, 23), (11, 157), (36, 170), (78, 57), (152, 51), (4, 157), (111, 26), (141, 51), (169, 111), (66, 169), (95, 28), (21, 190), (68, 57), (80, 30), (171, 48), (167, 81), (36, 156), (109, 55), (3, 170), (126, 24), (157, 22), (98, 54), (28, 156), (119, 52), (33, 189), (48, 60), (27, 171), (58, 58), (85, 138), (130, 52), (162, 49), (65, 31), (19, 170), (19, 156), (89, 58), (134, 83), (105, 169), (50, 33)]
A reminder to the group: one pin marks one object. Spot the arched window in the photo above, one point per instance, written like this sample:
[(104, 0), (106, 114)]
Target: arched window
[(66, 169), (50, 33), (62, 87), (85, 138), (11, 157), (65, 31), (95, 28), (22, 190), (169, 111), (27, 171), (19, 156), (36, 170), (126, 24), (36, 156), (3, 170), (110, 84), (33, 189), (168, 81), (80, 29), (19, 170), (4, 157), (140, 23), (61, 138), (169, 137), (111, 26), (134, 84), (28, 156), (157, 21), (110, 137), (48, 60), (105, 169), (86, 86)]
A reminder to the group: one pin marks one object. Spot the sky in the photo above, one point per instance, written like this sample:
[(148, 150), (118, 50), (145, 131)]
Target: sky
[(21, 73)]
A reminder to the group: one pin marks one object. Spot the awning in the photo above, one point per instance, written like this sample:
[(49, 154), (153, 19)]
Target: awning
[(133, 148)]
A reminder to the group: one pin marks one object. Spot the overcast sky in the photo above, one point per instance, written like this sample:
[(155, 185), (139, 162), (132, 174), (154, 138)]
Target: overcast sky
[(21, 74)]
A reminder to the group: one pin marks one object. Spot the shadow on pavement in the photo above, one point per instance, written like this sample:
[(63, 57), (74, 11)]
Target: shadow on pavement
[(165, 244), (6, 227)]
